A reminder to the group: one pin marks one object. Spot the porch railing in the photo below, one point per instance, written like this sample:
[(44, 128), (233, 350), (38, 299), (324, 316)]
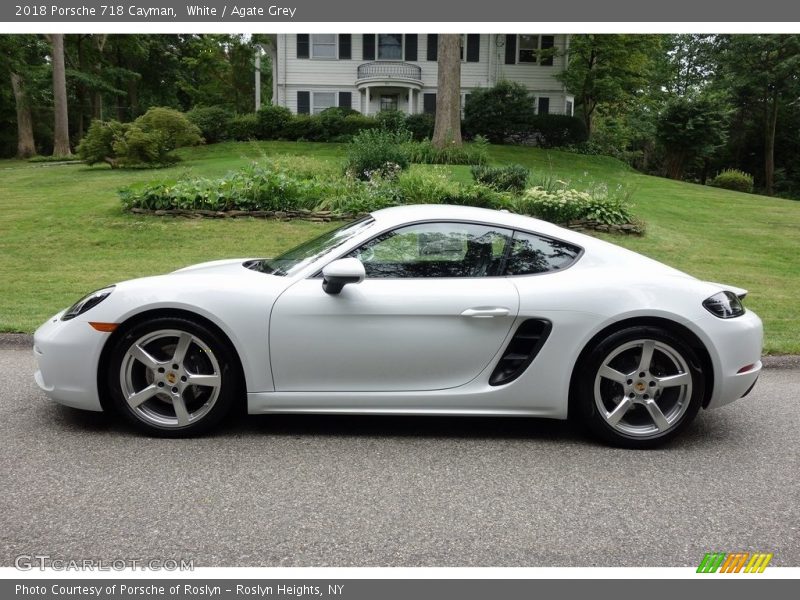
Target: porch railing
[(389, 70)]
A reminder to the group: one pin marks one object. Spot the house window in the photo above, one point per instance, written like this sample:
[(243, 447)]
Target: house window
[(322, 100), (390, 46), (528, 47), (388, 102), (323, 45), (531, 47), (543, 106), (569, 108)]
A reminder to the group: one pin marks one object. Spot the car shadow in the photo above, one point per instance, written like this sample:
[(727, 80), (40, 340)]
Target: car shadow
[(313, 425)]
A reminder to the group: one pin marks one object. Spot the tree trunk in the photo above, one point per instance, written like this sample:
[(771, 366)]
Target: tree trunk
[(61, 129), (25, 145), (272, 51), (447, 128), (769, 145)]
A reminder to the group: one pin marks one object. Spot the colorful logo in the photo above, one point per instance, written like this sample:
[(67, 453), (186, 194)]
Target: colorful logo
[(736, 562)]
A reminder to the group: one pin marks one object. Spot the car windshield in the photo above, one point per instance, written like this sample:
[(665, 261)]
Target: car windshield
[(292, 261)]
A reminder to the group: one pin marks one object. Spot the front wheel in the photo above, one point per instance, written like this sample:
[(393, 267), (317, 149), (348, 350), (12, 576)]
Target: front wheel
[(639, 387), (172, 377)]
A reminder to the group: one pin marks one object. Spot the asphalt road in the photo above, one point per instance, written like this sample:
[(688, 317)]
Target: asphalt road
[(363, 491)]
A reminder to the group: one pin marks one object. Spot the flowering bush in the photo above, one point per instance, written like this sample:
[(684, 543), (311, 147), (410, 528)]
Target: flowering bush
[(564, 204)]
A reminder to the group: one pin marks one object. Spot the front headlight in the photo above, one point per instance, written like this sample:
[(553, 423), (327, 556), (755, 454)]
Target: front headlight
[(725, 305), (87, 302)]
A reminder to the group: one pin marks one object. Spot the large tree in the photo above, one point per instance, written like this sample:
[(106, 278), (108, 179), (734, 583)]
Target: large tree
[(764, 72), (608, 71), (447, 128), (61, 145), (20, 59)]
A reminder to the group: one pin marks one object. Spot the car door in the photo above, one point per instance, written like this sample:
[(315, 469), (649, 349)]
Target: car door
[(430, 314)]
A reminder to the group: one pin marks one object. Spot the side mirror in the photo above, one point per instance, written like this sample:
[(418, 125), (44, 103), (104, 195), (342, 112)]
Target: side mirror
[(341, 272)]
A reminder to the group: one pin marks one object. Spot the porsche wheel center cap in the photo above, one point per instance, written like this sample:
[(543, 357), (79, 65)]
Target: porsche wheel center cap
[(171, 378)]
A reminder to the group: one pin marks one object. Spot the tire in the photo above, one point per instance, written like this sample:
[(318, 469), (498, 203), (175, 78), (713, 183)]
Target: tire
[(639, 387), (172, 377)]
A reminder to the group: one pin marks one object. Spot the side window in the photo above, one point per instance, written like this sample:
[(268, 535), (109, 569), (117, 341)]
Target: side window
[(436, 250), (535, 254)]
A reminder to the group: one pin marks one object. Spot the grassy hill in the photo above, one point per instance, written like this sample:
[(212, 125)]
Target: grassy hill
[(62, 232)]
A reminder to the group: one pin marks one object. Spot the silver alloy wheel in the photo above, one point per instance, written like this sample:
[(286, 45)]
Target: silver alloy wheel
[(170, 378), (643, 388)]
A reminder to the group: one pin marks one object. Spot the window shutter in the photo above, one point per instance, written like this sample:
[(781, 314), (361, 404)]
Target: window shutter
[(548, 41), (411, 46), (429, 104), (368, 51), (511, 48), (345, 44), (303, 103), (433, 46), (345, 100), (544, 105), (302, 45), (473, 47)]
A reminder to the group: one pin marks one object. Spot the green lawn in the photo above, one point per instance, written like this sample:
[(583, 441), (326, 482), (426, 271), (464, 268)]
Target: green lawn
[(62, 232)]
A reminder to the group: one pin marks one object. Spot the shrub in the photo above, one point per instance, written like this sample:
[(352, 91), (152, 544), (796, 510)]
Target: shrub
[(420, 125), (734, 179), (332, 121), (147, 142), (565, 204), (511, 178), (273, 121), (392, 120), (424, 152), (558, 130), (499, 112), (173, 125), (140, 148), (243, 128), (377, 152), (423, 185), (98, 143), (304, 128), (213, 122), (358, 122)]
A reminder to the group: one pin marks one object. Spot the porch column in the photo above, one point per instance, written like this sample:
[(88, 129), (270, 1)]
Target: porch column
[(366, 108), (410, 101)]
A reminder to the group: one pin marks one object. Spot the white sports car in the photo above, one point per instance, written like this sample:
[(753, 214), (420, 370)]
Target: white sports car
[(424, 310)]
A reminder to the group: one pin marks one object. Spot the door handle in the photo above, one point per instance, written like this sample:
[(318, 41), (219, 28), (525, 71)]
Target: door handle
[(486, 313)]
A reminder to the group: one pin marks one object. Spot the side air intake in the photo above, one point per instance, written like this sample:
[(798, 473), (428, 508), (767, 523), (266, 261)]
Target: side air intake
[(521, 350)]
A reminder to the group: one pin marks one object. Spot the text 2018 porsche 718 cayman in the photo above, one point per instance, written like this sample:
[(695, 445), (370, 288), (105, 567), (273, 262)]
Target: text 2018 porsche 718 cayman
[(425, 310)]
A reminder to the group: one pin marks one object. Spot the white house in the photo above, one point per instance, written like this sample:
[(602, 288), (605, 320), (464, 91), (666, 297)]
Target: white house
[(378, 71)]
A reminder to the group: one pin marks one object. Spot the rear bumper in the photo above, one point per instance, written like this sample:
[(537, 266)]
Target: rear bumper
[(67, 354), (737, 345)]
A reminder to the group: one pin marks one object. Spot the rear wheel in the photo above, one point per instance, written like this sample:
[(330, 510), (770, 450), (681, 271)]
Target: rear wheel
[(640, 387), (172, 377)]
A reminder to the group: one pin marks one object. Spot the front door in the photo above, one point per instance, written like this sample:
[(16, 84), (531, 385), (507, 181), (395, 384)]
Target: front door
[(430, 315)]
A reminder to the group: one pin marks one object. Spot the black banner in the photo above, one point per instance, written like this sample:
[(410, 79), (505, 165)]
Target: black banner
[(255, 11)]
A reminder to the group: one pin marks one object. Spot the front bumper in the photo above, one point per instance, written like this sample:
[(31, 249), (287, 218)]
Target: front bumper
[(737, 345), (67, 354)]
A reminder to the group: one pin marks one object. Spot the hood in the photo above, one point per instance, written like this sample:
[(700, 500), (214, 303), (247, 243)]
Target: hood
[(226, 266)]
